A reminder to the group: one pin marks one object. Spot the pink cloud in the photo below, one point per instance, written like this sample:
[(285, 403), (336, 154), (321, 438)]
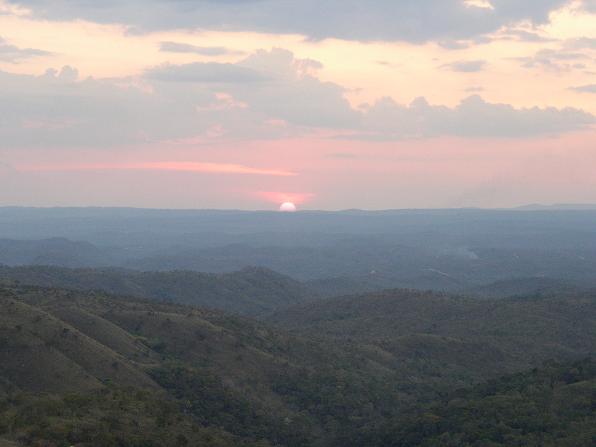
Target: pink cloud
[(211, 168), (297, 198), (443, 172)]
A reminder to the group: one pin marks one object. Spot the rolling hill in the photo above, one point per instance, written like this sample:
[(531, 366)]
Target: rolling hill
[(92, 369), (504, 335), (87, 358), (524, 287), (251, 291), (551, 406), (54, 251)]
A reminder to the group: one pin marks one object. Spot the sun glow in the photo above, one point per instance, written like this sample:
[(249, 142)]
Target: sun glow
[(287, 207)]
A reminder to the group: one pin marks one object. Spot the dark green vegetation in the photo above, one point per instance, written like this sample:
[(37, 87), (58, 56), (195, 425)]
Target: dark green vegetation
[(111, 416), (90, 369), (246, 382), (495, 334), (554, 406), (251, 291)]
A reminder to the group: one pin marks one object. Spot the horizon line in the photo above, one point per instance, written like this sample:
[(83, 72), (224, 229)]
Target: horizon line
[(525, 207)]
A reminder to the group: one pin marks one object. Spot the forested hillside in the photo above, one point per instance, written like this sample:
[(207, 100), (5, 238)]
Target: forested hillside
[(69, 362), (551, 406), (443, 331), (251, 291), (91, 369)]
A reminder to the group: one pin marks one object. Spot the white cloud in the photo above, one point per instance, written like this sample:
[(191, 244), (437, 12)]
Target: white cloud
[(270, 94), (57, 109), (473, 117)]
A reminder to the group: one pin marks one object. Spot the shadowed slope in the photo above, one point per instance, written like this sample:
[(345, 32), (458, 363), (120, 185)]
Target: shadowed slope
[(252, 291)]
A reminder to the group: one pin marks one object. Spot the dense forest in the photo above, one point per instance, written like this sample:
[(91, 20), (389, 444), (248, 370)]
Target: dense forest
[(251, 291), (551, 406), (92, 369)]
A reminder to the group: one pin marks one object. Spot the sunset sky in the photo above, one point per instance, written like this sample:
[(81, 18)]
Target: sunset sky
[(330, 104)]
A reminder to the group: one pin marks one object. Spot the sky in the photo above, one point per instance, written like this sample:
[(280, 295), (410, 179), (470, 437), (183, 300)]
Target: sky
[(329, 104)]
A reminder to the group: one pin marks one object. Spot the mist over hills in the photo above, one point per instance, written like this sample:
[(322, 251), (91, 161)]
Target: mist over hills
[(204, 228), (342, 252), (53, 251), (558, 206)]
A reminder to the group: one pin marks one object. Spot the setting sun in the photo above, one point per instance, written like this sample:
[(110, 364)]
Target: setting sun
[(297, 223), (287, 207)]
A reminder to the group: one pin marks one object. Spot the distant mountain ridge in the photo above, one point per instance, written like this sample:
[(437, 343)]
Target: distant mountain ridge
[(448, 250), (558, 206), (524, 287), (54, 251)]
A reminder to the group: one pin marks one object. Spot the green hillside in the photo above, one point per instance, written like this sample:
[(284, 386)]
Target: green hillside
[(553, 406), (92, 369), (251, 291), (246, 381), (454, 336)]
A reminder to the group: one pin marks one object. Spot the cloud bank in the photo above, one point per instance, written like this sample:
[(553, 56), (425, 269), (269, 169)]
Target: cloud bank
[(388, 20), (268, 95), (473, 118)]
